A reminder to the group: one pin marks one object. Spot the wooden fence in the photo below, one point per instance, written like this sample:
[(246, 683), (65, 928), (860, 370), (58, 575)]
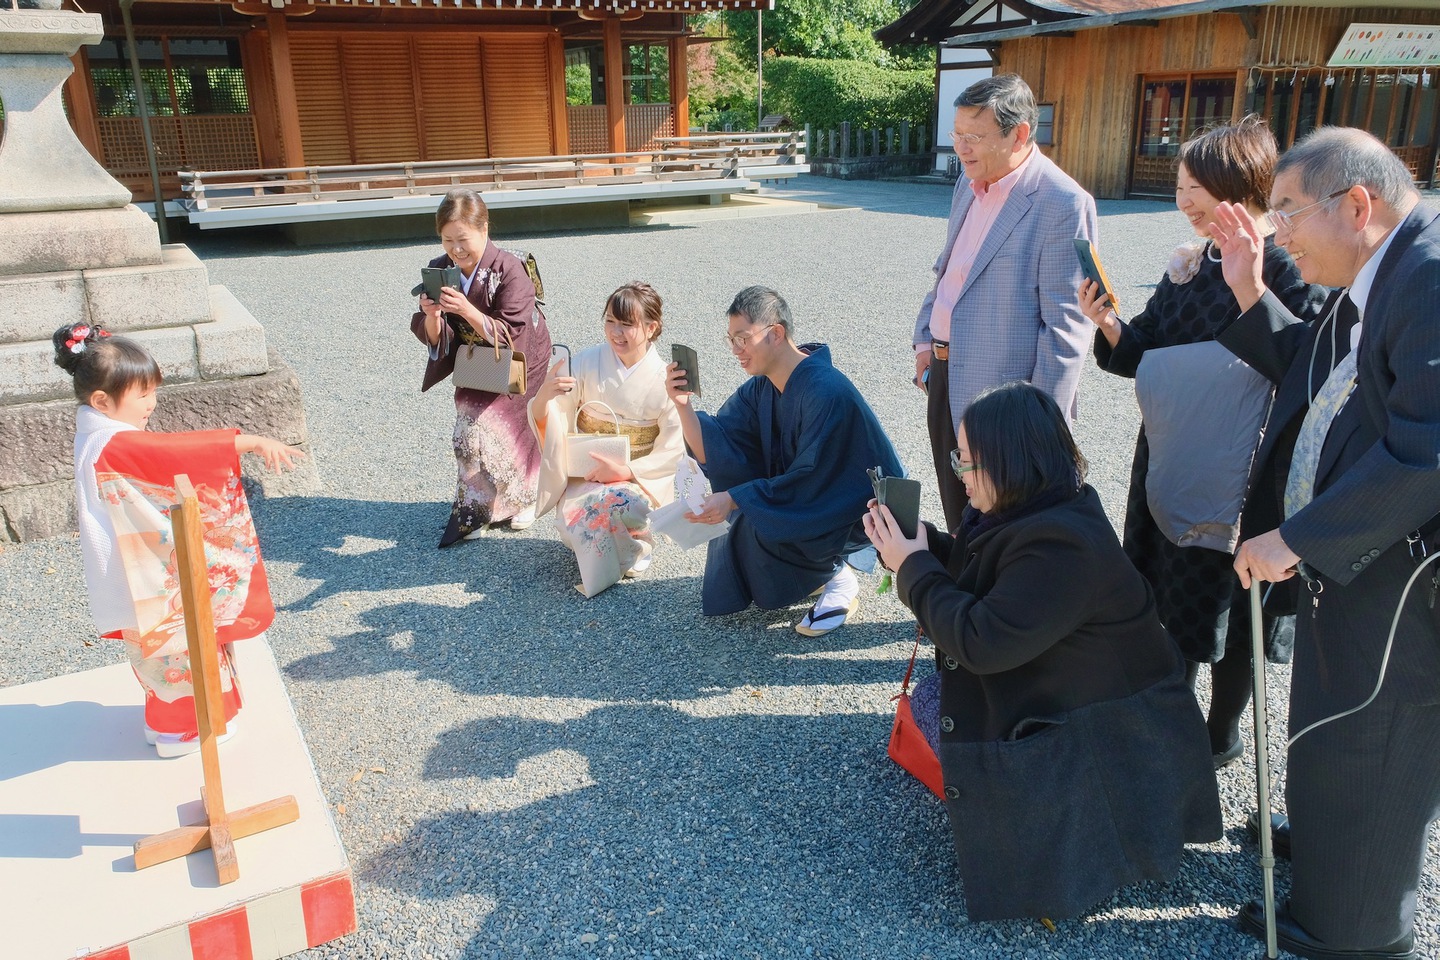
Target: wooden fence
[(851, 152)]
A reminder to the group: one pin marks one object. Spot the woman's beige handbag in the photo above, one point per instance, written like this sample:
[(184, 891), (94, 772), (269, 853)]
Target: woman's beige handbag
[(578, 446), (490, 367)]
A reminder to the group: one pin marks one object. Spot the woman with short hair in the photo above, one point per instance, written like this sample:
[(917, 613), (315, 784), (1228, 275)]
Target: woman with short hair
[(1074, 756), (496, 456), (1202, 412)]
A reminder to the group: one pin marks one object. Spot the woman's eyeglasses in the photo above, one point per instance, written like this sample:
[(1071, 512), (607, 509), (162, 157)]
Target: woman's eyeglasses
[(961, 468)]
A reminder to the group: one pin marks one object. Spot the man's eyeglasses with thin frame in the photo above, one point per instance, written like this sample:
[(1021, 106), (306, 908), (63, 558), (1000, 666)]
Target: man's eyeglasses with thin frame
[(968, 139), (961, 468), (1288, 221), (742, 339)]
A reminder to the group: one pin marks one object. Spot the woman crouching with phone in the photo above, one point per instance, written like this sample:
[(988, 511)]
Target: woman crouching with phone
[(496, 455), (1074, 756)]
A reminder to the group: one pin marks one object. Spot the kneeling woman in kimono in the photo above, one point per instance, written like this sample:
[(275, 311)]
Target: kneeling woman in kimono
[(1074, 756), (603, 516)]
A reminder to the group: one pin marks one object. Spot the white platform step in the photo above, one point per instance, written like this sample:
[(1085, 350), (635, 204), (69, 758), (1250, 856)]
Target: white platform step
[(78, 787)]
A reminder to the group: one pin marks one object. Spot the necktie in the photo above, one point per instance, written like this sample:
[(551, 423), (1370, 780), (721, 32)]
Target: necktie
[(1326, 405)]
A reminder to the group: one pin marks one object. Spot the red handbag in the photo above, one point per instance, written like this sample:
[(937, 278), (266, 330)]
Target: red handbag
[(908, 746)]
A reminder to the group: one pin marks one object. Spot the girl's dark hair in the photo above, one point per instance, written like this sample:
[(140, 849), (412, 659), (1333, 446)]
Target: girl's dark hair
[(99, 361), (636, 304), (1020, 439), (1234, 162), (462, 206)]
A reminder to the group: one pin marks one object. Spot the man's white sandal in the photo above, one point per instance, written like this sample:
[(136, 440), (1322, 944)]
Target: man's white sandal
[(817, 624)]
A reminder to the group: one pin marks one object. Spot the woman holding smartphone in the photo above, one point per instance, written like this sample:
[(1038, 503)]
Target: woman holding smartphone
[(1073, 754), (495, 453), (1188, 418), (617, 386)]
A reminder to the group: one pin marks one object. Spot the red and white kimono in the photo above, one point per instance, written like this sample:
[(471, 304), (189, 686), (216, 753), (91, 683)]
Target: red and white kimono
[(124, 488)]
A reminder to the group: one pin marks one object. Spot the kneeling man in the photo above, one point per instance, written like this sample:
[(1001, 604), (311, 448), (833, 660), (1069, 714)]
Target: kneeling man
[(786, 457)]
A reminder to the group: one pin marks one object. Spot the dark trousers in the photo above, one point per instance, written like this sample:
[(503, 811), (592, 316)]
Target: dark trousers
[(1361, 793), (942, 443)]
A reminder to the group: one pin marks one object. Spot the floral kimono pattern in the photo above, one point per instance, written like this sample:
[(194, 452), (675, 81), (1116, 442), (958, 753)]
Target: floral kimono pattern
[(607, 525), (134, 480)]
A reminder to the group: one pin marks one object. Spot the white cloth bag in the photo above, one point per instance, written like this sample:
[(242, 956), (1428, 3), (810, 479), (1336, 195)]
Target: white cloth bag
[(689, 497)]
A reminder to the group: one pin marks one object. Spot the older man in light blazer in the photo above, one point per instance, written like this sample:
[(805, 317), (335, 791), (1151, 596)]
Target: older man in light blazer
[(1005, 304)]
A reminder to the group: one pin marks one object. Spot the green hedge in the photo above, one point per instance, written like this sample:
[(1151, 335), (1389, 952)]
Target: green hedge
[(826, 93)]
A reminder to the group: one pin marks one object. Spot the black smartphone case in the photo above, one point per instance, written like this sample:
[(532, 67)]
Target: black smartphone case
[(689, 361), (902, 496)]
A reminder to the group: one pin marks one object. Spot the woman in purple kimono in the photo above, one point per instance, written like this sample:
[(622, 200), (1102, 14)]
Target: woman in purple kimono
[(495, 451)]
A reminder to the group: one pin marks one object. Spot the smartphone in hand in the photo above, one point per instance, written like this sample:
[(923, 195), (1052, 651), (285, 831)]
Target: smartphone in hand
[(688, 360), (558, 349), (434, 278), (1093, 271), (901, 495)]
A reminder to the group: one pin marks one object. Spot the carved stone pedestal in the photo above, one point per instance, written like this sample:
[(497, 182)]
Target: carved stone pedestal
[(72, 249)]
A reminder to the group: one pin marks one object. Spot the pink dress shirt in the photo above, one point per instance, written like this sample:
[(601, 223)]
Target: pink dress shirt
[(978, 220)]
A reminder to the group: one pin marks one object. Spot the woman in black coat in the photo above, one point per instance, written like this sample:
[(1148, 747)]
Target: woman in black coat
[(1074, 756)]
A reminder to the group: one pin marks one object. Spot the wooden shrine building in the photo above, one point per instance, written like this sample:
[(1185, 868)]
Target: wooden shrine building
[(1123, 82), (260, 85)]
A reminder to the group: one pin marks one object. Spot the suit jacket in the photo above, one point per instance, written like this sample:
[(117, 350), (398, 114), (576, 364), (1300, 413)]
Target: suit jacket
[(1378, 478), (1018, 315)]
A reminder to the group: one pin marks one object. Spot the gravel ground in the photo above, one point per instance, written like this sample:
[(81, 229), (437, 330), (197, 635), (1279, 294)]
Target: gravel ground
[(619, 776)]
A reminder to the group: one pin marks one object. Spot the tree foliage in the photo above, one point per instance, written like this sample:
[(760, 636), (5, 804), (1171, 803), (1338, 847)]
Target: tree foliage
[(826, 93), (826, 29), (722, 88)]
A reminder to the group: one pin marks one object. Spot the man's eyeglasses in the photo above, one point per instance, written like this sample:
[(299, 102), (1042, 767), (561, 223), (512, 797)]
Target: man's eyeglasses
[(1288, 221), (961, 468), (742, 340), (967, 139)]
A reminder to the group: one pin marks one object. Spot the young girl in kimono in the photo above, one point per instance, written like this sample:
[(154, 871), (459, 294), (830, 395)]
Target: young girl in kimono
[(124, 491), (603, 516)]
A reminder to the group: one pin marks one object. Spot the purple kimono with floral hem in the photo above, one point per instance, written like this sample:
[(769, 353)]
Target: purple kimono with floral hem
[(496, 454)]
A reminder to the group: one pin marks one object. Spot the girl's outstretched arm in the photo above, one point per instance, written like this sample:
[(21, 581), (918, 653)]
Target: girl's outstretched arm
[(275, 454)]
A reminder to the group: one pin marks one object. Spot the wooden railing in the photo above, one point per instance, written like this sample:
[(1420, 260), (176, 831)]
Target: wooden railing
[(704, 159), (749, 148), (853, 142)]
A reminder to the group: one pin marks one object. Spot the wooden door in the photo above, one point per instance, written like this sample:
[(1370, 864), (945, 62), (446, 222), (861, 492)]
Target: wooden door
[(517, 96), (1173, 109)]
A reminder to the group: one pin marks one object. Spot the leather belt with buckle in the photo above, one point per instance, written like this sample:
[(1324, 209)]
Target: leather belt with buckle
[(941, 351)]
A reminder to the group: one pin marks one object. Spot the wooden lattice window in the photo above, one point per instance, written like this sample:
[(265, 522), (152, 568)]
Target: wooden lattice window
[(197, 97)]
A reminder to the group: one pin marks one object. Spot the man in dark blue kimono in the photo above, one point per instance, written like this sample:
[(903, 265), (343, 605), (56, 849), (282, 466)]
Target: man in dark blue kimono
[(786, 457)]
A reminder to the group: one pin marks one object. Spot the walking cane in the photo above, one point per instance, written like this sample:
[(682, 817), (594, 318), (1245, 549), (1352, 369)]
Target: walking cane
[(1262, 768)]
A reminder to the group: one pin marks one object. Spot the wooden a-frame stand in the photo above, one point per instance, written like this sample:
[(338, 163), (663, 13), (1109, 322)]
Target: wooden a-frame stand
[(221, 828)]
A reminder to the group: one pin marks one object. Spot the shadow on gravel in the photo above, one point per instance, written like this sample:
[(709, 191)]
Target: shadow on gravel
[(683, 833), (751, 835), (541, 639), (517, 607)]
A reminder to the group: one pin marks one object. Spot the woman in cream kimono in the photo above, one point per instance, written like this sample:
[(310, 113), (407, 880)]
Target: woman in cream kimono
[(603, 516)]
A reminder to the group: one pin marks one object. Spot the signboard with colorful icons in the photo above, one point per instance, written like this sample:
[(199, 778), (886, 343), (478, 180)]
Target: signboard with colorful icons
[(1388, 45)]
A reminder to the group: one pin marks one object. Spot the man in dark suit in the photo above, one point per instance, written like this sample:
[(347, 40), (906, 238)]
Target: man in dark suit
[(1352, 453)]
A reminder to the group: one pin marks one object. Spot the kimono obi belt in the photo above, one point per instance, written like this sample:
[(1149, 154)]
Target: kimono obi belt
[(642, 437)]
